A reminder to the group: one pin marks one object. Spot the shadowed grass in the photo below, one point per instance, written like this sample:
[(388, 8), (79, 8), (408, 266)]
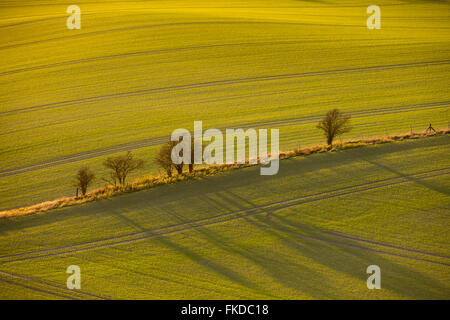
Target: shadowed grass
[(149, 182)]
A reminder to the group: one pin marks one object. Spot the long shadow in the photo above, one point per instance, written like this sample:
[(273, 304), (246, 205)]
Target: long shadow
[(248, 177), (350, 260), (136, 269), (288, 272), (396, 277), (231, 203), (278, 267), (215, 267), (426, 184)]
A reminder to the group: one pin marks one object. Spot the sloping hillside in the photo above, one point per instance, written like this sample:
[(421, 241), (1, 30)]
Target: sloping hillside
[(309, 232)]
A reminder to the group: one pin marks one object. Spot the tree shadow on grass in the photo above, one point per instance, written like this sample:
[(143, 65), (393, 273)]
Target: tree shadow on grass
[(247, 177), (283, 268), (215, 267), (353, 261), (424, 183), (350, 260)]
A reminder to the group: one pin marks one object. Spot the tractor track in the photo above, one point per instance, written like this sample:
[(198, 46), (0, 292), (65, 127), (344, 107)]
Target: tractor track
[(161, 51), (37, 289), (160, 140), (54, 290), (352, 238), (230, 216), (171, 24), (217, 83), (339, 243)]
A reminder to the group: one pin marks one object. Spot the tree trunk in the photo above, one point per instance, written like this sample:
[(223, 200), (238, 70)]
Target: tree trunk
[(330, 141)]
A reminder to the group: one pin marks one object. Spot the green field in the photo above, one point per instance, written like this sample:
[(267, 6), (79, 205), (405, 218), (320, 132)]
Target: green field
[(138, 70), (309, 232)]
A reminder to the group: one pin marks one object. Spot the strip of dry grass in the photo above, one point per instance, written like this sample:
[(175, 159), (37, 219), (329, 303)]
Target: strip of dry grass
[(148, 182)]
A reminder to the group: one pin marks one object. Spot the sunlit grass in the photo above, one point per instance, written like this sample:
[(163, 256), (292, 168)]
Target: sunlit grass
[(126, 48), (280, 252)]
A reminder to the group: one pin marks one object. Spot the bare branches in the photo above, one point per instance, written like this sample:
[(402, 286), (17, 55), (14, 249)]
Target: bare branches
[(84, 178), (163, 158), (121, 166), (334, 124)]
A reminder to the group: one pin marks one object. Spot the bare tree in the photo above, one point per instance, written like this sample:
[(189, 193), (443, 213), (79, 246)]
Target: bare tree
[(84, 178), (163, 158), (191, 165), (121, 166), (334, 124), (178, 167)]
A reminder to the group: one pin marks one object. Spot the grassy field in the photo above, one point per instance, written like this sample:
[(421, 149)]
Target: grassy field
[(309, 232), (138, 70)]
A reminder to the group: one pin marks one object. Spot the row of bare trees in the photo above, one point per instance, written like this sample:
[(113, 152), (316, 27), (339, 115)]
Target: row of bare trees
[(333, 125), (164, 160), (119, 168)]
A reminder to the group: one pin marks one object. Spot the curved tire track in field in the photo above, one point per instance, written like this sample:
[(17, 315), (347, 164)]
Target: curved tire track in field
[(217, 83), (159, 51), (51, 289), (86, 155), (358, 114), (247, 7), (357, 239), (338, 243), (171, 24), (37, 289), (230, 216), (160, 140)]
